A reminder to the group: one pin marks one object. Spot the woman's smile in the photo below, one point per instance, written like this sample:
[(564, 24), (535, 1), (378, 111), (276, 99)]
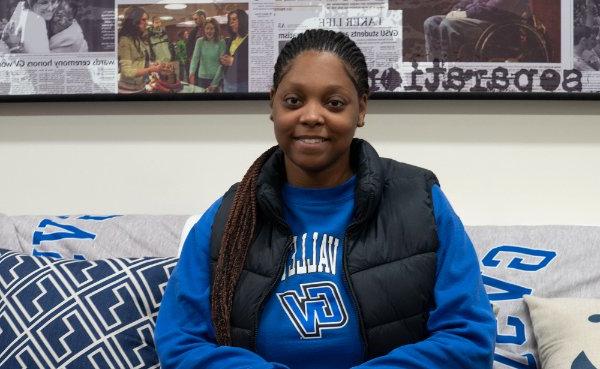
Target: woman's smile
[(310, 140), (311, 144)]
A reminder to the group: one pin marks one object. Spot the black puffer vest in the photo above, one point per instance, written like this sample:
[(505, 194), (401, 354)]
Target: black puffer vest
[(389, 251)]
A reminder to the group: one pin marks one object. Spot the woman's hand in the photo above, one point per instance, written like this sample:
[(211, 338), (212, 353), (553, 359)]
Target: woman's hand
[(4, 49), (192, 80), (7, 30), (212, 88), (11, 36), (226, 60), (154, 68)]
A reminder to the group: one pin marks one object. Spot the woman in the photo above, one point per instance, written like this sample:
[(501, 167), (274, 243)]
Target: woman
[(235, 59), (67, 35), (583, 51), (134, 51), (326, 255), (205, 60), (26, 31)]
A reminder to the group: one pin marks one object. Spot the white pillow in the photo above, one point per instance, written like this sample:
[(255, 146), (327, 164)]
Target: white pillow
[(567, 331)]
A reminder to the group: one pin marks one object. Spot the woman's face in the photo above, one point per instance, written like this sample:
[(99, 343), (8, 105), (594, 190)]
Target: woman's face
[(63, 17), (234, 23), (209, 31), (315, 111), (45, 8), (143, 24)]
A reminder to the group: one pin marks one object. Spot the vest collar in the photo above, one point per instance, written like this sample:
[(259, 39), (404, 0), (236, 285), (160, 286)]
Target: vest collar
[(365, 163)]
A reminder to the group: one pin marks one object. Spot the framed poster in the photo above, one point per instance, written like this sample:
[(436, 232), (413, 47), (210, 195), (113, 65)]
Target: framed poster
[(225, 49)]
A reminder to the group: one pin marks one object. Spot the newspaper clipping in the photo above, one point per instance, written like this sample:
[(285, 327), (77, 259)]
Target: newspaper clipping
[(191, 47), (586, 42), (56, 47), (377, 31)]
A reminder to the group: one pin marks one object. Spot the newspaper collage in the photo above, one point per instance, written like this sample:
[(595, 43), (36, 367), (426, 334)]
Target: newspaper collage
[(66, 47)]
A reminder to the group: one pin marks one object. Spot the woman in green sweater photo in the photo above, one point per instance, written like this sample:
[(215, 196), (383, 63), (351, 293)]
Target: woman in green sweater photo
[(205, 69), (134, 51)]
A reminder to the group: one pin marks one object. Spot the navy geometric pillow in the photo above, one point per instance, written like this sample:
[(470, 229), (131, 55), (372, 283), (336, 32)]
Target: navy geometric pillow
[(79, 314)]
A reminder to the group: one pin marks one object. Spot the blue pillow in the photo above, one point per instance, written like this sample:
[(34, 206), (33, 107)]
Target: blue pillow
[(78, 313)]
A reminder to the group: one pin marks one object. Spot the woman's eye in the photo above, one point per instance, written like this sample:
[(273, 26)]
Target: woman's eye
[(336, 103), (292, 101)]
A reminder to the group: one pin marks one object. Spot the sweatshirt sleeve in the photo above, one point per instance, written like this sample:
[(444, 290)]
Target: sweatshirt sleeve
[(184, 334), (461, 325), (195, 62)]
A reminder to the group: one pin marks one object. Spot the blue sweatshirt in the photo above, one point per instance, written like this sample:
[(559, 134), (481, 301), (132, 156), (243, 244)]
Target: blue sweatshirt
[(324, 334)]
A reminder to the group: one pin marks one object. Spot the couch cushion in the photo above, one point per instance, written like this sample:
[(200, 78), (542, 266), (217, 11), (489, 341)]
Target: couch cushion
[(8, 234), (94, 237), (567, 331), (78, 313)]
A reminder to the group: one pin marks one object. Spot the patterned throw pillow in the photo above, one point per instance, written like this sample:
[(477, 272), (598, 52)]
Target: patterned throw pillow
[(79, 314), (567, 331)]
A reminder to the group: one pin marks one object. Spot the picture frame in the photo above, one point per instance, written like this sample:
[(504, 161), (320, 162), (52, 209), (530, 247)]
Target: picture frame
[(131, 50)]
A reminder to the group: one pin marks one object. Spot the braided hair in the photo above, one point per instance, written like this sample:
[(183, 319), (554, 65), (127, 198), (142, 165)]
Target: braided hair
[(337, 43), (237, 237), (241, 223)]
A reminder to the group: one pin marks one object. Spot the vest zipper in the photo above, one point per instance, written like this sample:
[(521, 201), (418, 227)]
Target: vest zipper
[(261, 304), (353, 295), (361, 322)]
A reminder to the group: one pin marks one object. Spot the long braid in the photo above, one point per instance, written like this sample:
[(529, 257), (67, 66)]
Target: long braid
[(237, 237)]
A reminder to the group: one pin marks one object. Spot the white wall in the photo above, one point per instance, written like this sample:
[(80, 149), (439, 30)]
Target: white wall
[(499, 162)]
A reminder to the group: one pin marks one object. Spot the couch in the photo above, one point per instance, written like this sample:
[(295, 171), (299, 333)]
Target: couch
[(84, 291)]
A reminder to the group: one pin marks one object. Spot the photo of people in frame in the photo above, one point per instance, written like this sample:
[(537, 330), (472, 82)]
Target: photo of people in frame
[(586, 35), (56, 26), (183, 48), (511, 31)]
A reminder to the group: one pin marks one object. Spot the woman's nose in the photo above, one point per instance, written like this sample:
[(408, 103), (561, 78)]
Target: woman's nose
[(312, 114)]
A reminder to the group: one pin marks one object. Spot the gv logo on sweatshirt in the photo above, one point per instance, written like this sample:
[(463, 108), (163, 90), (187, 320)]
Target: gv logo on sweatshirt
[(319, 306), (313, 253)]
